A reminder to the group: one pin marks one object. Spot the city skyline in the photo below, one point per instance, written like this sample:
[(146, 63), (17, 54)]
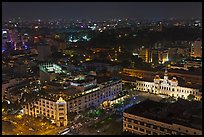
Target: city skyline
[(101, 10), (101, 68)]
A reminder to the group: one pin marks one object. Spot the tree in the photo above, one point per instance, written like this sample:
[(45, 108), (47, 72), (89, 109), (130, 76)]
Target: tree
[(128, 86), (5, 105), (72, 115), (191, 97)]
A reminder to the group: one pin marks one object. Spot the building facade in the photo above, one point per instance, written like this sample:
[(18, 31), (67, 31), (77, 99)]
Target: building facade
[(167, 87), (159, 56), (196, 63), (196, 49), (50, 71), (57, 110), (144, 54), (145, 126)]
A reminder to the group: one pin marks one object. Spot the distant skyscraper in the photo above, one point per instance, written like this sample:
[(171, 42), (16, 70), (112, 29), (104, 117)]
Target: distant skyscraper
[(4, 39), (196, 48), (159, 56), (144, 54)]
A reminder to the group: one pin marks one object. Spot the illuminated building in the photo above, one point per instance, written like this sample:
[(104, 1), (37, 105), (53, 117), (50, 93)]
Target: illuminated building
[(196, 48), (78, 96), (55, 110), (178, 66), (50, 71), (144, 54), (167, 87), (78, 38), (156, 118), (196, 63), (134, 73), (117, 99), (163, 57), (159, 56), (7, 84), (4, 39)]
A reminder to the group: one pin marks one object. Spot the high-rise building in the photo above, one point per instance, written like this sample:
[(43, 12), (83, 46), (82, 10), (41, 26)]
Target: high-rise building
[(163, 56), (144, 54), (159, 56), (196, 48)]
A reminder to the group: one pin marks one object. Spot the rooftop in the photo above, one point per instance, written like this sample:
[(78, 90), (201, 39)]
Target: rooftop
[(105, 79), (67, 94), (107, 62), (187, 113)]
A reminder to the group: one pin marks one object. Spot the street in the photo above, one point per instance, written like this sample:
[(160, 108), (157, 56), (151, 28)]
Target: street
[(111, 122)]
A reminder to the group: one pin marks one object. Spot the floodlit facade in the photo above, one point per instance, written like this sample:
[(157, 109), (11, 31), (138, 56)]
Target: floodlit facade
[(50, 71), (144, 54), (167, 87), (196, 49), (54, 110), (57, 110), (196, 63)]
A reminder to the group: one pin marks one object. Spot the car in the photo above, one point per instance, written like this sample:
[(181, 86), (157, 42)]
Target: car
[(80, 124), (31, 129), (66, 129), (64, 133), (96, 118)]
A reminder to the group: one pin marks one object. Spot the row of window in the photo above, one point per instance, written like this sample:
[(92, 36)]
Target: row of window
[(118, 85), (147, 125), (142, 84), (142, 130), (171, 89), (43, 111), (162, 129), (107, 94), (47, 103)]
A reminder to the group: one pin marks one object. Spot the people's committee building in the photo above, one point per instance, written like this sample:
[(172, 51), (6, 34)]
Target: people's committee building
[(168, 87)]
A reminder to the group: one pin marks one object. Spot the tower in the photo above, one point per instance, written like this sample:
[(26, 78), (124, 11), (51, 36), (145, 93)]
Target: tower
[(165, 76), (196, 48), (61, 112)]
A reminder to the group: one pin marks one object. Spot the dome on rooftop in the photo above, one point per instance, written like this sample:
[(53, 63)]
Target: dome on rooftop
[(157, 77), (174, 79)]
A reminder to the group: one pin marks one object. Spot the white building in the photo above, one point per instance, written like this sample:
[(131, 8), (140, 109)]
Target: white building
[(167, 87), (52, 106), (55, 110)]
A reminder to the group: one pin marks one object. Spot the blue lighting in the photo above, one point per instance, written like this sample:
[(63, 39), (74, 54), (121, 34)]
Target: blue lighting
[(3, 49), (25, 46)]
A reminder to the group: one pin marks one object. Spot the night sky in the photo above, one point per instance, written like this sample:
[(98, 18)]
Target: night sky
[(101, 10)]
